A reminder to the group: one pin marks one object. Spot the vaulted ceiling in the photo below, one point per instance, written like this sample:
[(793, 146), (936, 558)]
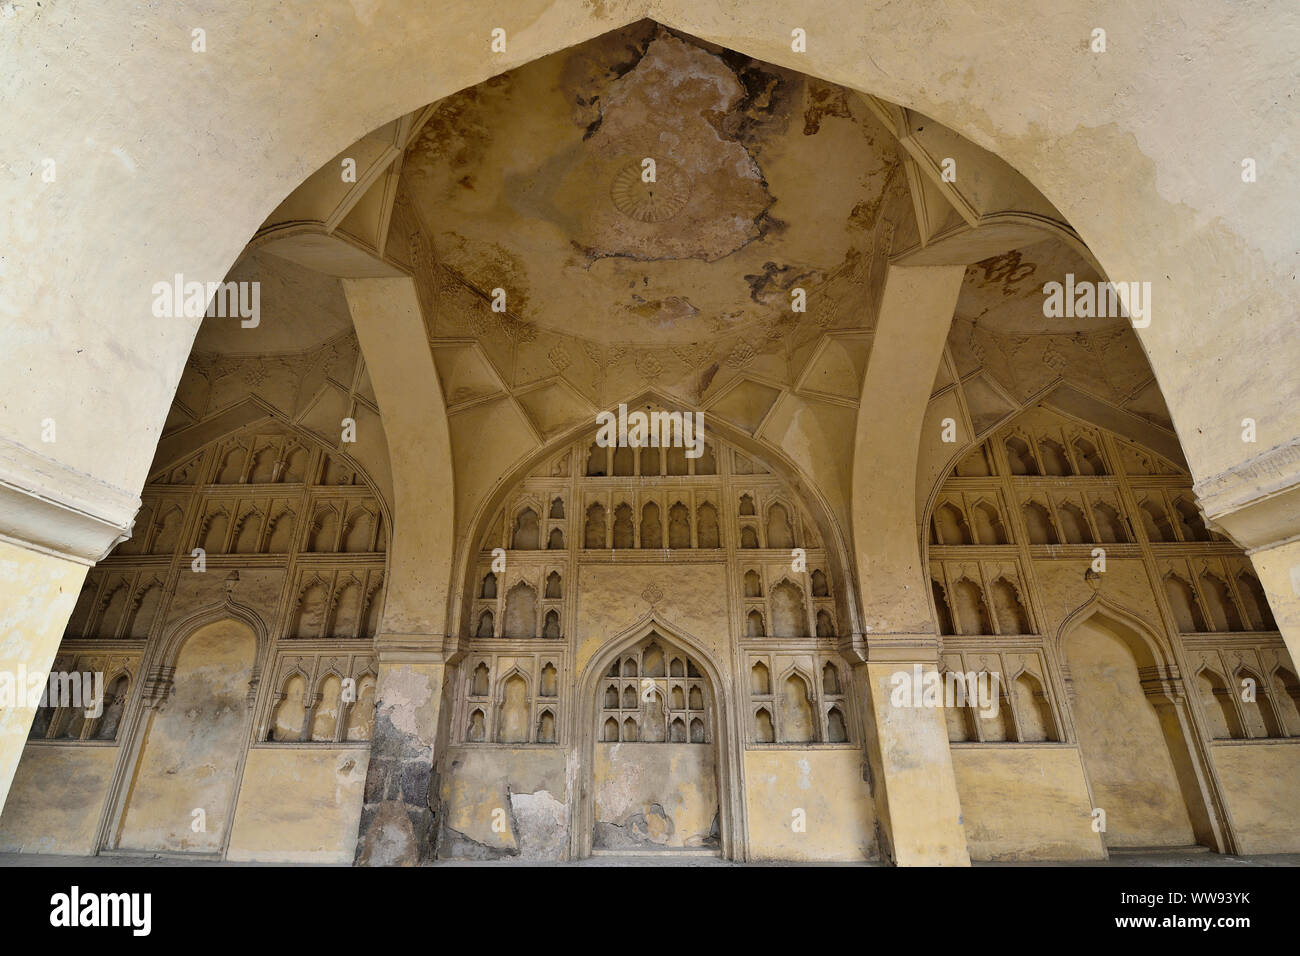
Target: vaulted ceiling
[(765, 181)]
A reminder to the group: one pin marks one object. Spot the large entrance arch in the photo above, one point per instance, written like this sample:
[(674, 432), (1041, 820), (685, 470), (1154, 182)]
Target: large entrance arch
[(128, 366)]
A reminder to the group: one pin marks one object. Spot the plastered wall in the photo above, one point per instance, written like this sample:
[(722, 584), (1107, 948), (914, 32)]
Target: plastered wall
[(1025, 803), (654, 795), (42, 816), (299, 806), (837, 820), (1260, 783), (192, 747), (504, 802)]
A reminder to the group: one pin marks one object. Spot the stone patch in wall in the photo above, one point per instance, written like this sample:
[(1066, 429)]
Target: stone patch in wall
[(504, 802)]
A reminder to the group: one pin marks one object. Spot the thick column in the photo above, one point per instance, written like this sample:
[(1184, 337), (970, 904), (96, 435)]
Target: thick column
[(916, 796), (1279, 573), (915, 786), (398, 820), (398, 816), (54, 523), (37, 594), (1257, 504)]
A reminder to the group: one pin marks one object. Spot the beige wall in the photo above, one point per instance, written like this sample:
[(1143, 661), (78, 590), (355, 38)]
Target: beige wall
[(523, 791), (610, 601), (57, 797), (1025, 803), (37, 593), (1260, 783), (192, 747), (655, 793), (1129, 764), (299, 806), (827, 786)]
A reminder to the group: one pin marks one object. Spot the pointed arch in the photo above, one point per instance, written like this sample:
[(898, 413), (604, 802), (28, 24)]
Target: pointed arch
[(582, 817), (811, 502)]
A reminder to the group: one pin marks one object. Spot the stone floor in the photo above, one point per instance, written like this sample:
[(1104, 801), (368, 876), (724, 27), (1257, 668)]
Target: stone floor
[(1190, 858)]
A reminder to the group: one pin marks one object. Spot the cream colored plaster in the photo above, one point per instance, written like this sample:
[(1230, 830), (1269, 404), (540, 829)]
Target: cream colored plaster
[(837, 820), (1090, 152), (56, 798), (318, 824), (37, 594), (191, 747), (1260, 783), (659, 794), (478, 790), (1279, 573), (694, 599), (1025, 803), (915, 312), (920, 804), (391, 332)]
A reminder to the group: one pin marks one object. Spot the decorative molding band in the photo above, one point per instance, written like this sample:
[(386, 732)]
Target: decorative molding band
[(1257, 502), (911, 647), (390, 648), (46, 506)]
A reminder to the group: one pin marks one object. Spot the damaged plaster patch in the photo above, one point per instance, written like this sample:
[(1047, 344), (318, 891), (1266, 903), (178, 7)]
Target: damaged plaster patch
[(540, 823), (537, 830), (707, 194), (404, 694), (650, 826)]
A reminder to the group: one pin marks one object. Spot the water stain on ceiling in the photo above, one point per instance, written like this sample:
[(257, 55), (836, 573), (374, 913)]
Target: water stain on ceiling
[(535, 182)]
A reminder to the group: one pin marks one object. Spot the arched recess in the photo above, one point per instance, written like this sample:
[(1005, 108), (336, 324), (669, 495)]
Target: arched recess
[(1137, 734), (726, 752), (847, 607), (189, 745)]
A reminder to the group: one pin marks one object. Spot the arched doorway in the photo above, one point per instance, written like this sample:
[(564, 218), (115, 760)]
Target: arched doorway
[(654, 748), (181, 796), (654, 769), (1135, 737)]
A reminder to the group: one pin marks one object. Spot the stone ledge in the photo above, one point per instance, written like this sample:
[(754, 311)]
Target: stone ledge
[(48, 507), (1256, 503)]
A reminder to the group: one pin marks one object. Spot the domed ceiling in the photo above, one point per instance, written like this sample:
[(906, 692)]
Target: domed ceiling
[(764, 180)]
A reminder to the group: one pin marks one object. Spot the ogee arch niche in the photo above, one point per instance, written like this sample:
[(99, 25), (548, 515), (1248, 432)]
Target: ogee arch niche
[(654, 772), (1010, 530), (1131, 738), (181, 796)]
